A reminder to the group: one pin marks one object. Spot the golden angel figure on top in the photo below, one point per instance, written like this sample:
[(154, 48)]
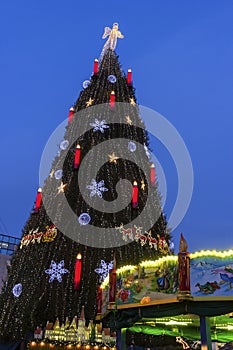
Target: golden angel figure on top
[(112, 34)]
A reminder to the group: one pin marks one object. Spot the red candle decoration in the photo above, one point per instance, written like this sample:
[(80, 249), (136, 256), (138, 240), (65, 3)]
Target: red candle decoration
[(129, 77), (96, 66), (70, 116), (135, 195), (112, 283), (99, 300), (77, 157), (112, 99), (38, 199), (152, 174), (77, 272)]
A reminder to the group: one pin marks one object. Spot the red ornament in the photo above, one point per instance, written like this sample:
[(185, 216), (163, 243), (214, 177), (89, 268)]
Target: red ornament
[(112, 99), (77, 272), (152, 174), (70, 116), (77, 157), (38, 200), (129, 77), (99, 300), (96, 65), (112, 283), (135, 195)]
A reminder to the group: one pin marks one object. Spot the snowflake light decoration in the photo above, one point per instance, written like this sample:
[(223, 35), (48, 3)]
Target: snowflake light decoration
[(104, 269), (56, 271), (97, 188), (99, 125), (17, 290)]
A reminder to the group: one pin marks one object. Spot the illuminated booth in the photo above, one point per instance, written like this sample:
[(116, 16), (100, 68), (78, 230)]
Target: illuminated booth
[(185, 297)]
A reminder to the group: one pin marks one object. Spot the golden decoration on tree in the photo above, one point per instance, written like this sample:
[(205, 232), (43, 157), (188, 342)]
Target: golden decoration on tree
[(113, 158), (128, 120), (89, 102), (51, 173), (132, 102), (61, 188), (112, 34), (143, 185)]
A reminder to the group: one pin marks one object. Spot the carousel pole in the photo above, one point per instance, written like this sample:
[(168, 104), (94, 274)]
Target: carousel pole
[(185, 291), (206, 343)]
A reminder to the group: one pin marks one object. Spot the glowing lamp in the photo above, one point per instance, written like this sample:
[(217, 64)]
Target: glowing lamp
[(70, 115), (96, 65), (112, 99), (129, 77), (152, 174), (77, 157), (77, 272), (38, 200), (135, 195), (99, 299)]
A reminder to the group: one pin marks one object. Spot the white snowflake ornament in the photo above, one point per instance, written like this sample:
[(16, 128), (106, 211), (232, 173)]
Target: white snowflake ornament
[(99, 125), (56, 271), (104, 269), (97, 188)]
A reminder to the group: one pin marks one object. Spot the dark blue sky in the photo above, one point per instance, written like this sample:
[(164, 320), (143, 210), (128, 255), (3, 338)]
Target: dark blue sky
[(181, 54)]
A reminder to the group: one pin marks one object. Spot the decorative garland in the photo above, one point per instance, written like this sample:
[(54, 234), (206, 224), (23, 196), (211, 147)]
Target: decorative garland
[(135, 233), (37, 237)]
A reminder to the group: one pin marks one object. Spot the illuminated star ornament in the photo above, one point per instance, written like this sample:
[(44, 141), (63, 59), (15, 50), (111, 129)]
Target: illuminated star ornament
[(61, 188), (113, 158), (89, 102), (56, 271), (112, 34), (51, 173), (128, 120), (132, 102), (104, 269)]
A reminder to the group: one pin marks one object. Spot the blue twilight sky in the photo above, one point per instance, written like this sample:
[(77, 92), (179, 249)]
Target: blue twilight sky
[(181, 54)]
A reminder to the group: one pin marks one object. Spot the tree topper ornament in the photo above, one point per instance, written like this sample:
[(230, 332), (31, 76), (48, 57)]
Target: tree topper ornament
[(112, 34)]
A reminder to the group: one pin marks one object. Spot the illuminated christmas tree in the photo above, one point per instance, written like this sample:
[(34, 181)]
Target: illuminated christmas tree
[(59, 265)]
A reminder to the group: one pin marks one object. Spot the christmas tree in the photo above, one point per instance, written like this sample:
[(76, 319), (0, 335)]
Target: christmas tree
[(70, 241)]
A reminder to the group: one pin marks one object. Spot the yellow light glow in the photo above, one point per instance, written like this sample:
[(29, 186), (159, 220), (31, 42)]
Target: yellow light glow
[(33, 343), (216, 253), (154, 263), (79, 256), (174, 322)]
